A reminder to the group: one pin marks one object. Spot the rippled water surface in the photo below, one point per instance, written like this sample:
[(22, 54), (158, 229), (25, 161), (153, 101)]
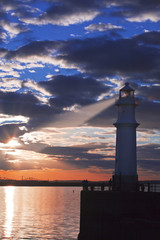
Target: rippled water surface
[(39, 213)]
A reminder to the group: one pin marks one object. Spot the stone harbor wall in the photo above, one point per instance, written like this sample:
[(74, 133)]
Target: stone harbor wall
[(109, 215)]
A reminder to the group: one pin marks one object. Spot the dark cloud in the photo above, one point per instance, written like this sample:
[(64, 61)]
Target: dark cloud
[(151, 38), (4, 163), (71, 90), (81, 164), (149, 92), (98, 56), (8, 131), (3, 51), (149, 157), (136, 10), (66, 158), (25, 104), (149, 152), (78, 157), (83, 4), (148, 114), (37, 48), (75, 89), (62, 12), (102, 57), (67, 91), (152, 165), (7, 162), (73, 152), (10, 4)]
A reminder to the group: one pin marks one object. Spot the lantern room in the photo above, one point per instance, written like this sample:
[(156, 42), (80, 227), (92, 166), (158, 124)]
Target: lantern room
[(126, 91)]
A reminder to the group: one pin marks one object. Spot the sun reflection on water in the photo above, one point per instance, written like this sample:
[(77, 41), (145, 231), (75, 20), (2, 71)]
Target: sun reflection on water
[(9, 213)]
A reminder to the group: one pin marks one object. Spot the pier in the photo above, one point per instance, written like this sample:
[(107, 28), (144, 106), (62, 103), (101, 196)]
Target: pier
[(124, 208), (115, 215)]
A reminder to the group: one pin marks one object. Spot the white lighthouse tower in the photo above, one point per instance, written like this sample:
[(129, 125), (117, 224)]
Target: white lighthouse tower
[(125, 177)]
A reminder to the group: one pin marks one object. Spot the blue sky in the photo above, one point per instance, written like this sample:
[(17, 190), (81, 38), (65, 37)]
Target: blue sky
[(58, 60)]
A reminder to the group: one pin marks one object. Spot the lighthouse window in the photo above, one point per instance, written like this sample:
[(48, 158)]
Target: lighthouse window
[(126, 94)]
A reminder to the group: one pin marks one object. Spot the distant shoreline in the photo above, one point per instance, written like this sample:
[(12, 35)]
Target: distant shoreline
[(33, 183), (42, 183), (57, 183)]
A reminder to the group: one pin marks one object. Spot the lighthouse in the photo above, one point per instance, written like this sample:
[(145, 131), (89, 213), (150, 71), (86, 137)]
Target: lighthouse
[(124, 212), (125, 176)]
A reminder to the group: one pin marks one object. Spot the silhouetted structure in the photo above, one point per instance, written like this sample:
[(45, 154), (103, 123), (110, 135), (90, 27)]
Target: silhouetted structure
[(126, 211), (125, 176)]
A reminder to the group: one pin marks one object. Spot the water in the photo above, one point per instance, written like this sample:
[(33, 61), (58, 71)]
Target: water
[(39, 213)]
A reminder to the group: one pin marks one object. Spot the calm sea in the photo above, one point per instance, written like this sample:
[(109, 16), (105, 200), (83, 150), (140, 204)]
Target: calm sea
[(39, 213)]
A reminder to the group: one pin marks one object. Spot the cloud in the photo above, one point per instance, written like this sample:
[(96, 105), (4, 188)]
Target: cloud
[(67, 12), (65, 158), (148, 157), (10, 10), (84, 156), (151, 165), (44, 103), (64, 13), (10, 84), (39, 92), (80, 157), (4, 163), (3, 35), (151, 38), (12, 29), (142, 17), (33, 49), (150, 92), (99, 56), (102, 27), (132, 58), (149, 152), (136, 11), (25, 104), (3, 52), (41, 102), (148, 114), (8, 131), (75, 89), (9, 119), (76, 92)]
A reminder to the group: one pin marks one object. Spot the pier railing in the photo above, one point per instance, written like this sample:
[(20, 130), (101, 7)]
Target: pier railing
[(142, 186), (149, 186)]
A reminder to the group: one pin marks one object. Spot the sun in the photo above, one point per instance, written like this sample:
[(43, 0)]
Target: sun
[(13, 143)]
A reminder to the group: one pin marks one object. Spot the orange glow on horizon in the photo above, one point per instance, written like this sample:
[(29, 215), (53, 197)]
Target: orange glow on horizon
[(57, 174), (54, 175)]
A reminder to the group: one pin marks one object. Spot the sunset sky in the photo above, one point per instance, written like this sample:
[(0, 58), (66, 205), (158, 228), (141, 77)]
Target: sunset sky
[(62, 63)]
